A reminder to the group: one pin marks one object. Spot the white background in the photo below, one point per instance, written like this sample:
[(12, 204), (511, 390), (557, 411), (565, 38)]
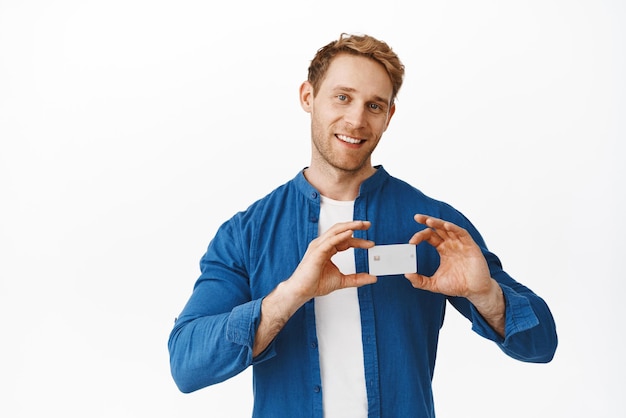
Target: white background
[(130, 130)]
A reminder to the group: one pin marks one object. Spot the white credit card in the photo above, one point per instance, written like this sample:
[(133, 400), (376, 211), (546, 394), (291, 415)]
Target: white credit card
[(385, 260)]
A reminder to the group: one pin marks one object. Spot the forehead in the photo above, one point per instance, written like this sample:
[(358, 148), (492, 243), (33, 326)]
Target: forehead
[(359, 74)]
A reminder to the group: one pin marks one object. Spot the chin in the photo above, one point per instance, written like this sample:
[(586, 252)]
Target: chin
[(353, 168)]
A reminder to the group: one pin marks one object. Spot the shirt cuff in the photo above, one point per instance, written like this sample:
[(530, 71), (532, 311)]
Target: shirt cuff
[(241, 328), (519, 316)]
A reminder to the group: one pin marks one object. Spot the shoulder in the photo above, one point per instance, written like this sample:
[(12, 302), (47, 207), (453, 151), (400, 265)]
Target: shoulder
[(276, 203), (414, 199)]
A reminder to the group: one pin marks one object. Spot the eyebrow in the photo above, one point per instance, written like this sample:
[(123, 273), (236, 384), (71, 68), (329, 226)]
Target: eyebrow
[(351, 90)]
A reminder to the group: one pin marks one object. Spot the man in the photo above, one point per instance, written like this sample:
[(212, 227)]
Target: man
[(285, 285)]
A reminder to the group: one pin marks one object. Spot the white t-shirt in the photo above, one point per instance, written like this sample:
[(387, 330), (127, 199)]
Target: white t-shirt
[(338, 323)]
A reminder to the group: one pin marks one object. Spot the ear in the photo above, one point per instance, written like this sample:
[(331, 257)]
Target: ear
[(306, 96)]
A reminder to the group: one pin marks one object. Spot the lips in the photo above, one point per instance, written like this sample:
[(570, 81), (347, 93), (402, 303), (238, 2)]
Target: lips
[(349, 139)]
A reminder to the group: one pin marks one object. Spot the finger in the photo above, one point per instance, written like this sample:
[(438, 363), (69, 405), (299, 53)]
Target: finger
[(340, 227), (352, 242), (420, 236), (431, 222), (429, 235), (342, 242), (340, 236), (421, 218), (420, 281), (338, 241), (358, 279), (455, 232), (445, 229)]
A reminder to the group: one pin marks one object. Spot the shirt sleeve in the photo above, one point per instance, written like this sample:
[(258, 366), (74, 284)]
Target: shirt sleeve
[(528, 336), (212, 338), (530, 330)]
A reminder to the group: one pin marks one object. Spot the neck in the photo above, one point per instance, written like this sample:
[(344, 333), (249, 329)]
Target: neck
[(337, 184)]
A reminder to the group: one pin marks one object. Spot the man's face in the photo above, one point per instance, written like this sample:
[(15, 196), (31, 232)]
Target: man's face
[(349, 113)]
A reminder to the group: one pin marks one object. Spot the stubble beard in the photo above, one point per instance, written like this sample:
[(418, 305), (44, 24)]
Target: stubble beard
[(327, 159)]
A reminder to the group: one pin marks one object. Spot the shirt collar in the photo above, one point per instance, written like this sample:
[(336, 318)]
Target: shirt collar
[(372, 183)]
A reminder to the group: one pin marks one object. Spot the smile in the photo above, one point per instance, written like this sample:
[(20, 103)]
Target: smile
[(349, 139)]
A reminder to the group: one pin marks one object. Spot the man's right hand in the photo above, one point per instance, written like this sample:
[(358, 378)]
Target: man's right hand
[(316, 275)]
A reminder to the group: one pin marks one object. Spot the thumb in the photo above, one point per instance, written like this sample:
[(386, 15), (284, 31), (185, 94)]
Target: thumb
[(420, 281)]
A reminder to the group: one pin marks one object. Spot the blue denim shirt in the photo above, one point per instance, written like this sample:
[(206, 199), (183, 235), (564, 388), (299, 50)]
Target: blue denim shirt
[(259, 248)]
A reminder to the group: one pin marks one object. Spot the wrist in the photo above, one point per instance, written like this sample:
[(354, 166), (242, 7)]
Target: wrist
[(290, 296), (491, 306), (489, 298)]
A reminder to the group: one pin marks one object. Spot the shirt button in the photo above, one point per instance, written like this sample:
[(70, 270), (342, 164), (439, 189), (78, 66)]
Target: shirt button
[(316, 389), (313, 195), (313, 344)]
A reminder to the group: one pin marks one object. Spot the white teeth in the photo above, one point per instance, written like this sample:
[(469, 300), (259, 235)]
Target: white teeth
[(349, 139)]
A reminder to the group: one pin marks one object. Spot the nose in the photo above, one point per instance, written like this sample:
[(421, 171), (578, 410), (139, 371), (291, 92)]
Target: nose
[(355, 116)]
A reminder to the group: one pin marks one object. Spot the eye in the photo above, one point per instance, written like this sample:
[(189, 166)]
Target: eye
[(342, 97), (375, 107)]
